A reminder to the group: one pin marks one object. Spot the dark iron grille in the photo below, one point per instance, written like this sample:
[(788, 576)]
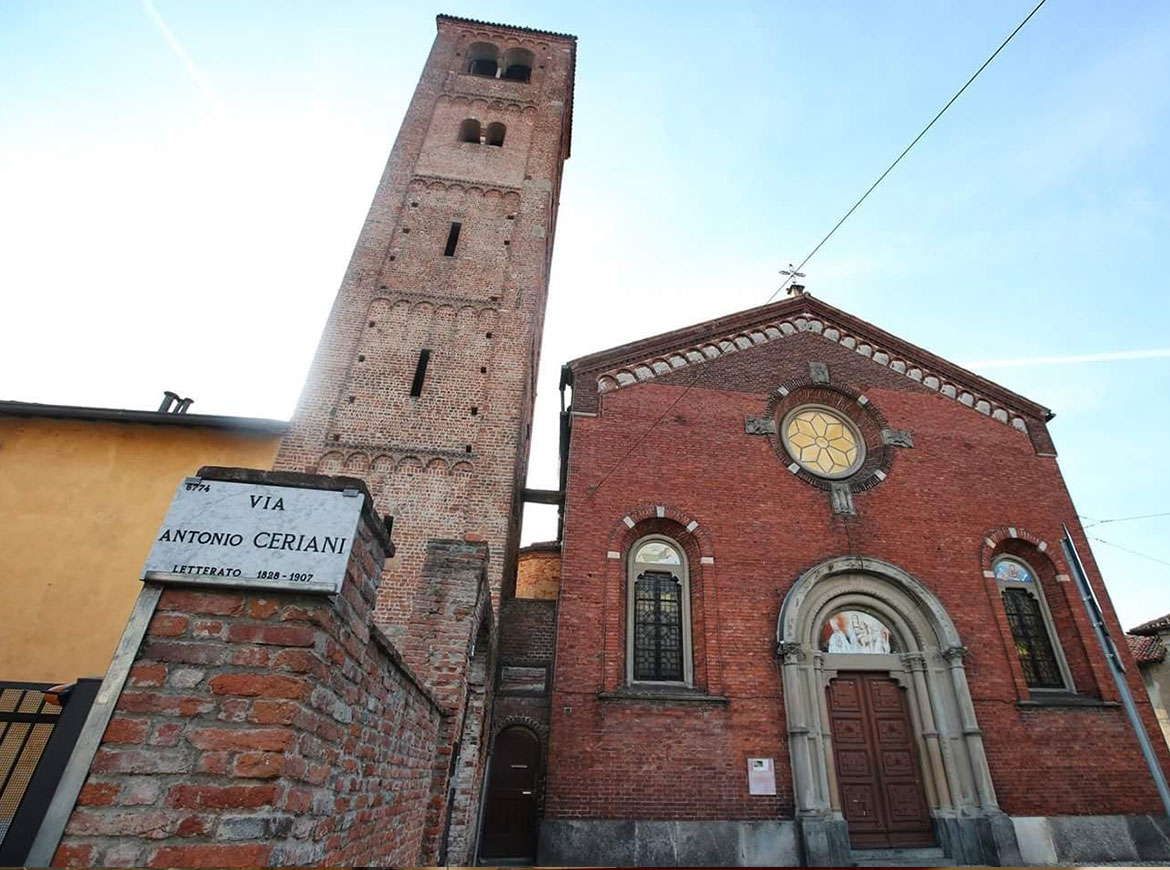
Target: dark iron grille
[(657, 627), (1033, 644), (26, 721)]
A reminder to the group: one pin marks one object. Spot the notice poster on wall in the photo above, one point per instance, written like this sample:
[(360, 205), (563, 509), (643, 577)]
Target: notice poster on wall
[(761, 776), (225, 533)]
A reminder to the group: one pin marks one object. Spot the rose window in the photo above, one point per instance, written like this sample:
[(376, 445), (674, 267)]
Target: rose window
[(823, 442)]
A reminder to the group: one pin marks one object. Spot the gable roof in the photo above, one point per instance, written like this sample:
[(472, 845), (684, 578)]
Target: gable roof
[(644, 360), (1153, 627)]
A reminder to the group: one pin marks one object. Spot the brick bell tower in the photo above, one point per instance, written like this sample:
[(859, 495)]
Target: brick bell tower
[(424, 380)]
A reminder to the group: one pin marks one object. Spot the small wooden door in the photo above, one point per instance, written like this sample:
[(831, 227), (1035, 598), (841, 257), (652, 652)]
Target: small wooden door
[(509, 822), (877, 765)]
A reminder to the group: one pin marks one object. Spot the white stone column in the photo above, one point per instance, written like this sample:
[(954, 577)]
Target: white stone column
[(916, 664), (828, 770), (808, 793), (972, 735)]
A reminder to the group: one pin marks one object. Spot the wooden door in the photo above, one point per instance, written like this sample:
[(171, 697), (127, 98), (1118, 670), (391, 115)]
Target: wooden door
[(509, 822), (877, 766)]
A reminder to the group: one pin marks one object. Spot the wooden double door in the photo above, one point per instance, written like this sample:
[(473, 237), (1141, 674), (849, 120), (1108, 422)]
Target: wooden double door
[(878, 773)]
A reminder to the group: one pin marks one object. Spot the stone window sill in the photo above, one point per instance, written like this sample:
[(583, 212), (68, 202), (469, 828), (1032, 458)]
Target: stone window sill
[(668, 695), (1063, 699)]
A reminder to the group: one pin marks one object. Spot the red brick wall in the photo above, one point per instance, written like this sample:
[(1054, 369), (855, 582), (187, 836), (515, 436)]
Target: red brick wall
[(262, 729), (450, 463), (527, 630), (763, 527)]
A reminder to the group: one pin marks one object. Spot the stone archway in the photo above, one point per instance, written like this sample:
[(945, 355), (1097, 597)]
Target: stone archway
[(928, 663)]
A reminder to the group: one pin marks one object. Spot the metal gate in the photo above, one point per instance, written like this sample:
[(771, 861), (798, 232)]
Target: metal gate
[(36, 739)]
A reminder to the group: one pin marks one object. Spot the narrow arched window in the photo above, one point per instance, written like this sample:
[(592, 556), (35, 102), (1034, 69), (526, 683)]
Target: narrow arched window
[(495, 134), (469, 131), (659, 623), (483, 59), (518, 65), (1032, 632)]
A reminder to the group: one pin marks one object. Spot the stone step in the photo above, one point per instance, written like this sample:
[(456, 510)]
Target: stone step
[(924, 857)]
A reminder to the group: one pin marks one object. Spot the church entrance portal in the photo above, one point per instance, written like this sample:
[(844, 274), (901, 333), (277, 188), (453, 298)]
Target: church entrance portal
[(877, 769), (880, 719), (509, 824)]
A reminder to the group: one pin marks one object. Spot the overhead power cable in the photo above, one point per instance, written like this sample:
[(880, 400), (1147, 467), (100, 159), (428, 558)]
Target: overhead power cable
[(1128, 550), (791, 273), (906, 150), (1125, 519)]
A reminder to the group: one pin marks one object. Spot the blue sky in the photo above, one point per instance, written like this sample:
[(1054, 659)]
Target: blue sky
[(182, 183)]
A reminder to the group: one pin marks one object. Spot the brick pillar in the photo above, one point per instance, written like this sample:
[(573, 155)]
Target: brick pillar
[(449, 643), (264, 728)]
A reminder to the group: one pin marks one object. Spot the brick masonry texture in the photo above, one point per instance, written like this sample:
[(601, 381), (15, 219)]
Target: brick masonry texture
[(281, 729), (449, 463), (450, 641), (538, 571), (528, 640), (759, 527)]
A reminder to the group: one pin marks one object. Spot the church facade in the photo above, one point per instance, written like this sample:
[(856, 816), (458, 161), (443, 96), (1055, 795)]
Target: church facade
[(813, 601)]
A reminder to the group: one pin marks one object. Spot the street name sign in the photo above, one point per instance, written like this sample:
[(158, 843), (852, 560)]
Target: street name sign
[(226, 533)]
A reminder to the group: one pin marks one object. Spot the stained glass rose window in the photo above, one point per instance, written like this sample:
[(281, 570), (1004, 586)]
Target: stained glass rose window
[(823, 442)]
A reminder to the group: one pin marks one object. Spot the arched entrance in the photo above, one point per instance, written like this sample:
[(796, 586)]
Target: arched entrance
[(858, 688), (510, 808)]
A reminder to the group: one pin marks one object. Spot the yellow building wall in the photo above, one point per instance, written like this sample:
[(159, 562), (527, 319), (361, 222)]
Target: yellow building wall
[(80, 502), (538, 573)]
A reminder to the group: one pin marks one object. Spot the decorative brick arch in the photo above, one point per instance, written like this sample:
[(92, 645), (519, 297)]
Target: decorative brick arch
[(994, 539), (540, 729), (883, 350), (620, 532)]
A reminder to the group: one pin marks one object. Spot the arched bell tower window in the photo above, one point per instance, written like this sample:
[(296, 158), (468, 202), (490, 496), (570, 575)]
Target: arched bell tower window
[(1032, 632), (658, 646), (495, 134), (483, 60), (518, 65), (469, 130)]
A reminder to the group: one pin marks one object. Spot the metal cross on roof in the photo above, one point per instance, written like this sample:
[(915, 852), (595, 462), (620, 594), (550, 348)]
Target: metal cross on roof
[(792, 280)]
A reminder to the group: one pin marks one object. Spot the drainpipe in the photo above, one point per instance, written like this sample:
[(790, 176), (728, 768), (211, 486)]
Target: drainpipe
[(1115, 665)]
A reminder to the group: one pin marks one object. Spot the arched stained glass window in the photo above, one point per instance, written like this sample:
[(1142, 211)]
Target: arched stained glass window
[(657, 553), (659, 648), (1011, 571), (1031, 627)]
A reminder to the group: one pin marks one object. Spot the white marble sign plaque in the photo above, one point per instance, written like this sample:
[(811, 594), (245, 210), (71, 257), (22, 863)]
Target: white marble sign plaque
[(761, 776), (224, 533)]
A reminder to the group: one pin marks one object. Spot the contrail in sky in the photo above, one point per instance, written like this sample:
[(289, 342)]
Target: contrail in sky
[(193, 71), (1113, 356)]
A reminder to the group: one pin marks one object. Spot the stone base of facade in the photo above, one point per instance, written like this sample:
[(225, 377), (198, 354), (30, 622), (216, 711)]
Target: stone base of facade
[(990, 840), (1092, 839), (636, 843), (823, 841)]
